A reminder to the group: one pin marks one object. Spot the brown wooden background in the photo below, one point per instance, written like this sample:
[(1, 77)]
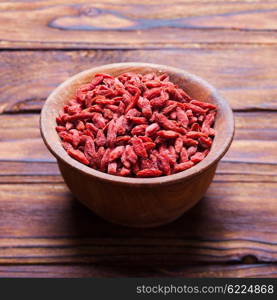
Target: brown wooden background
[(232, 231)]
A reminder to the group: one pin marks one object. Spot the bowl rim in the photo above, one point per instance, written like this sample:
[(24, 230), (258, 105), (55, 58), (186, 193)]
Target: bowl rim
[(55, 147)]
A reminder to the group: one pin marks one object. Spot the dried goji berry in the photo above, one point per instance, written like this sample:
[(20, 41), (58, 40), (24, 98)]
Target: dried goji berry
[(111, 133), (60, 128), (149, 173), (197, 157), (184, 155), (98, 120), (75, 137), (204, 105), (80, 125), (146, 163), (168, 134), (183, 166), (144, 105), (124, 172), (189, 142), (116, 153), (100, 138), (182, 117), (138, 120), (195, 134), (179, 144), (152, 129), (67, 146), (78, 155), (123, 139), (105, 160), (126, 163), (205, 142), (149, 145), (89, 148), (139, 147), (194, 108), (145, 138), (130, 154), (195, 127), (92, 127), (112, 168), (164, 164), (159, 101), (191, 150), (208, 121), (172, 155), (121, 125), (169, 108), (152, 93)]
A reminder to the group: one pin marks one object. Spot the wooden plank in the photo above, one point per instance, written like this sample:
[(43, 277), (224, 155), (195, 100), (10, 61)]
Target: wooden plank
[(88, 270), (44, 224), (27, 77), (217, 271), (252, 157), (136, 24), (256, 125), (246, 172)]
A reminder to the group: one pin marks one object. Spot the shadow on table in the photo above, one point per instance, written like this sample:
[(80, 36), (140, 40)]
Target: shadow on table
[(123, 251)]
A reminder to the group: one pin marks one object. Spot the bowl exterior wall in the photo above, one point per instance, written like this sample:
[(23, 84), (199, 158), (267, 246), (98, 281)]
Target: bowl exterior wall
[(136, 206)]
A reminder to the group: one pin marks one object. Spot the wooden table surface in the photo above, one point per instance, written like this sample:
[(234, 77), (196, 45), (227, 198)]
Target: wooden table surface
[(232, 232)]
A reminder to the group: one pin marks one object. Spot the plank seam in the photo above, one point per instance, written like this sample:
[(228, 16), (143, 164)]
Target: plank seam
[(159, 46)]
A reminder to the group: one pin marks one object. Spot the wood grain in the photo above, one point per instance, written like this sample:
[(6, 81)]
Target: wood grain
[(90, 270), (28, 77), (42, 223), (136, 24)]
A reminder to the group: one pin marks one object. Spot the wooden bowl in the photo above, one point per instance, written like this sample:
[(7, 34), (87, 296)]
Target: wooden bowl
[(138, 202)]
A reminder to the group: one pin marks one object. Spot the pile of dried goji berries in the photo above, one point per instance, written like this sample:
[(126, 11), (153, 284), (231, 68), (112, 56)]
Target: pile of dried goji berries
[(136, 125)]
